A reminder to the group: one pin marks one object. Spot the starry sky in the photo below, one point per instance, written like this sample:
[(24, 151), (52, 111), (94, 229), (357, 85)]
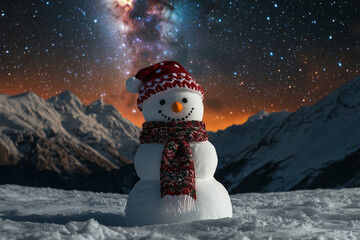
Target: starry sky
[(247, 55)]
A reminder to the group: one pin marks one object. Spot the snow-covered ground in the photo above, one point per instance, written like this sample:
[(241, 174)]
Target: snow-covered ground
[(45, 213)]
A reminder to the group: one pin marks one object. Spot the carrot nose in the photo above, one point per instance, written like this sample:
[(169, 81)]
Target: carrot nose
[(177, 107)]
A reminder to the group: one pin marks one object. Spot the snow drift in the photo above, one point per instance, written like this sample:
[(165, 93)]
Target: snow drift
[(45, 213)]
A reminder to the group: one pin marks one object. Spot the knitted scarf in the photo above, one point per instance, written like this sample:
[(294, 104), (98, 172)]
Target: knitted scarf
[(177, 172)]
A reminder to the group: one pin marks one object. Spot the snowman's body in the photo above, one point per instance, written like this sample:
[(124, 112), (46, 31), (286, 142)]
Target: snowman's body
[(175, 162), (144, 202)]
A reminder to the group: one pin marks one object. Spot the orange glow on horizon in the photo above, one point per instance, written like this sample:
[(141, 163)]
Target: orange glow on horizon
[(214, 121)]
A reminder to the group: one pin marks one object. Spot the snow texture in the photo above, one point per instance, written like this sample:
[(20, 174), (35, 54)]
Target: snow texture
[(45, 213)]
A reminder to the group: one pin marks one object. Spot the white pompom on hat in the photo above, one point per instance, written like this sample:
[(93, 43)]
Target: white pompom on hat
[(161, 77), (133, 84)]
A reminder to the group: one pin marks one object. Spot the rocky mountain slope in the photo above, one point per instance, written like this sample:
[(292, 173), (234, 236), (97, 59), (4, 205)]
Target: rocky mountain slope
[(315, 147), (63, 143)]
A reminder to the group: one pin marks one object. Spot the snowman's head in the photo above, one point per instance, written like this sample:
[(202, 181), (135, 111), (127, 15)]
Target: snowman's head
[(167, 92), (174, 105)]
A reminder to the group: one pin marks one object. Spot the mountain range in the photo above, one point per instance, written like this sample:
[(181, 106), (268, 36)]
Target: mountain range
[(315, 147), (62, 143)]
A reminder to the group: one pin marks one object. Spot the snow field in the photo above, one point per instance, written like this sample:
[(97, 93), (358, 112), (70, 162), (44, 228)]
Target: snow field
[(44, 213)]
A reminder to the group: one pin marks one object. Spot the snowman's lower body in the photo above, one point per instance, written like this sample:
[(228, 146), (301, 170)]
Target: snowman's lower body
[(144, 205)]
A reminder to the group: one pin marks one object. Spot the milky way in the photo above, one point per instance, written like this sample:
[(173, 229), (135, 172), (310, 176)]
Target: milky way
[(247, 55), (146, 31)]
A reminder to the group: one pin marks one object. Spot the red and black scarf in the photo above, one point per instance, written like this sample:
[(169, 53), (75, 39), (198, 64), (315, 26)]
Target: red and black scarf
[(177, 172)]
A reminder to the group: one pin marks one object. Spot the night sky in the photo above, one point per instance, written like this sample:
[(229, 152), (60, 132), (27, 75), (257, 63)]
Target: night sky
[(247, 55)]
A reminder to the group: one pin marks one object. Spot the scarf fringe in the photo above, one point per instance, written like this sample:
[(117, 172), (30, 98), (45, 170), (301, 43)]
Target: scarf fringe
[(177, 204)]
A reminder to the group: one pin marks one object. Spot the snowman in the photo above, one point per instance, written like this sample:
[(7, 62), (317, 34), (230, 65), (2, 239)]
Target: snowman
[(175, 162)]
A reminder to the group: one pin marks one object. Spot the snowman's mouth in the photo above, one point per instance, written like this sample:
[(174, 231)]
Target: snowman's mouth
[(176, 119)]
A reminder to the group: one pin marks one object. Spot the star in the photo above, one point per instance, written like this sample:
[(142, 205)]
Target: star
[(248, 56)]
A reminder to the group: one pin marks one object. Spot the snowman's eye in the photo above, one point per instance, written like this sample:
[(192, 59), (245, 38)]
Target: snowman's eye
[(184, 100), (162, 101)]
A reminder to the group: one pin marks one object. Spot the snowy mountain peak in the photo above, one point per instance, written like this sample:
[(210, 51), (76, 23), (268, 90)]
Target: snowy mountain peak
[(258, 116), (100, 103), (100, 106), (346, 96), (59, 136), (349, 93), (26, 96), (66, 96), (66, 101), (316, 146)]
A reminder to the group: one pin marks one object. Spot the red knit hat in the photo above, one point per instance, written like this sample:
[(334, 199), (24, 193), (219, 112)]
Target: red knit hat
[(161, 77)]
